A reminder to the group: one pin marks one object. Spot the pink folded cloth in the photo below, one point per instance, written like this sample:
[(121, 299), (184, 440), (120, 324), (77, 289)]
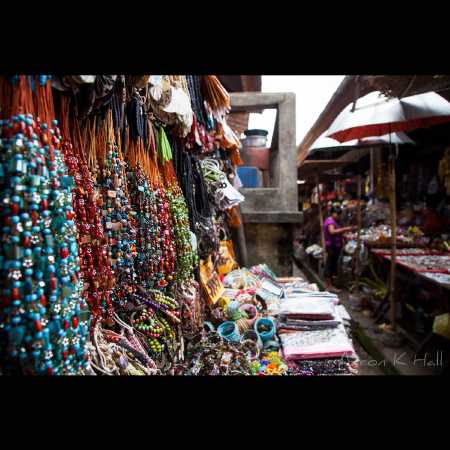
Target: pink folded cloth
[(331, 343), (307, 308)]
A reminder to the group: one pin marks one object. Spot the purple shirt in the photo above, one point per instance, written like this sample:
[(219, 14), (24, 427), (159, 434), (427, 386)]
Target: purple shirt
[(331, 240)]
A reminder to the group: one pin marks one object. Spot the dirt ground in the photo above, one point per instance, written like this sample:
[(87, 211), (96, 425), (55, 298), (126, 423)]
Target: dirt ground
[(365, 368)]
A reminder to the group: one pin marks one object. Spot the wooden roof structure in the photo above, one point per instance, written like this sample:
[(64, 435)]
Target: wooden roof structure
[(311, 168), (310, 178)]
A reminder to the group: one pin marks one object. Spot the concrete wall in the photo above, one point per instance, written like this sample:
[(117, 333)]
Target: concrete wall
[(270, 244), (269, 213), (283, 195)]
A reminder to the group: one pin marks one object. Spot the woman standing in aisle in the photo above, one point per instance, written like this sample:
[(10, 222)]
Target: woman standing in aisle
[(333, 244)]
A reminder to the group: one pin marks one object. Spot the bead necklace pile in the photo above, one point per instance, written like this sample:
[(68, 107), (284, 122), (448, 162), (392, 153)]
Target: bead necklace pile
[(93, 247), (41, 311), (153, 321), (111, 353), (149, 251), (98, 233), (119, 223), (186, 257)]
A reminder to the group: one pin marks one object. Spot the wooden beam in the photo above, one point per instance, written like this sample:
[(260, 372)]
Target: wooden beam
[(322, 232), (243, 101), (358, 237), (393, 205)]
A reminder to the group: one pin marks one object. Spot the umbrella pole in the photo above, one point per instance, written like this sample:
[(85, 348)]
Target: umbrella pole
[(322, 234), (372, 175), (358, 237), (393, 204), (242, 243)]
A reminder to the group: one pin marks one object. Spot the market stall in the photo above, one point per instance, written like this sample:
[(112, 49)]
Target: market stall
[(421, 240), (265, 325), (114, 192), (119, 196)]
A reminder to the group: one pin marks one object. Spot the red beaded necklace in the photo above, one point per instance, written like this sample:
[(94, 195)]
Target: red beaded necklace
[(93, 246)]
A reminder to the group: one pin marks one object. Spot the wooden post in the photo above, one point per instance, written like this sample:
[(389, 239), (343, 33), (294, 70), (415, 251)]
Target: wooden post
[(322, 234), (242, 243), (372, 175), (393, 204), (358, 237)]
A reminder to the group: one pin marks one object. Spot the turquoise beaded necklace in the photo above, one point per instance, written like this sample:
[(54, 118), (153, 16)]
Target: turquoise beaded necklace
[(42, 313)]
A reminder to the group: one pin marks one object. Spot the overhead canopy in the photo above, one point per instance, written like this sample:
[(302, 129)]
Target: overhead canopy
[(325, 143), (354, 155), (376, 115), (406, 85), (356, 86)]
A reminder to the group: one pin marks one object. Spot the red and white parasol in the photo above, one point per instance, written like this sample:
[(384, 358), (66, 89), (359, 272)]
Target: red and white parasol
[(376, 115)]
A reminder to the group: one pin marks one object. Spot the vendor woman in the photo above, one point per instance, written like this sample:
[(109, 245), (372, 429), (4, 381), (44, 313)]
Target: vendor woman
[(333, 244)]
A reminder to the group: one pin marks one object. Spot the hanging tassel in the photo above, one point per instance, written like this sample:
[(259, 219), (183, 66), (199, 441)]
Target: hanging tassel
[(22, 97), (214, 93), (6, 96), (43, 102)]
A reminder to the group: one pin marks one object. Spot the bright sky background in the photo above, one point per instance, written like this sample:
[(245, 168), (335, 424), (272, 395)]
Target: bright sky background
[(312, 94)]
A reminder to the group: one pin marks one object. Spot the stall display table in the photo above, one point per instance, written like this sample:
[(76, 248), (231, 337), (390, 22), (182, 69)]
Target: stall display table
[(429, 264), (417, 262)]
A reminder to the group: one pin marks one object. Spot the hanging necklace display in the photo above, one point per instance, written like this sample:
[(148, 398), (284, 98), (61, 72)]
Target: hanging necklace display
[(199, 139), (148, 245), (143, 199), (185, 288), (117, 217), (41, 312), (193, 84), (186, 258), (93, 246), (167, 263)]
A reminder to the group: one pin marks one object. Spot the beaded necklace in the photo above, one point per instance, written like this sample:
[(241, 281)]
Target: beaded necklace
[(152, 321), (149, 251), (41, 312), (197, 103), (93, 247), (117, 217), (186, 257)]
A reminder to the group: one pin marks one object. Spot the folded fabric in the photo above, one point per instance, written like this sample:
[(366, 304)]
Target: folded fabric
[(317, 344), (312, 296), (307, 325), (304, 307)]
